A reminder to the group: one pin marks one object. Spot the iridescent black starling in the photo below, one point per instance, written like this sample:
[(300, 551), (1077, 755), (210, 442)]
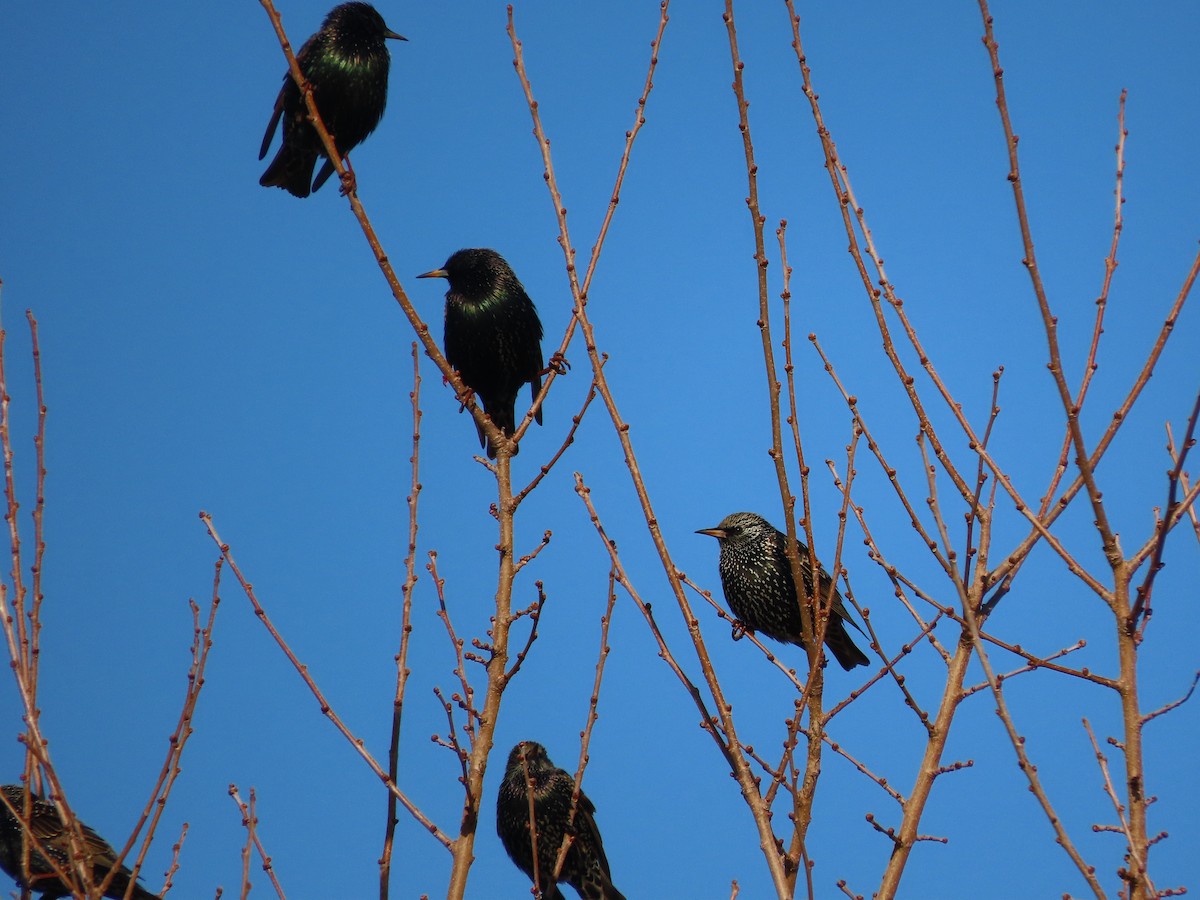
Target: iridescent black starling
[(758, 584), (586, 867), (493, 335), (50, 835), (347, 63)]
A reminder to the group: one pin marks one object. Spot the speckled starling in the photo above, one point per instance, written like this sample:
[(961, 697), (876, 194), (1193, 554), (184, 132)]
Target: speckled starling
[(50, 835), (347, 64), (493, 335), (758, 584), (585, 867)]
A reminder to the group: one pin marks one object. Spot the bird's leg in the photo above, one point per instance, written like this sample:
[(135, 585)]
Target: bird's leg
[(558, 365), (349, 180), (465, 397), (739, 629)]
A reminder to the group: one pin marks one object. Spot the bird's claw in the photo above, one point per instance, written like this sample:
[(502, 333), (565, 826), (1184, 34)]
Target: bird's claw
[(465, 397), (349, 180), (739, 629), (557, 364)]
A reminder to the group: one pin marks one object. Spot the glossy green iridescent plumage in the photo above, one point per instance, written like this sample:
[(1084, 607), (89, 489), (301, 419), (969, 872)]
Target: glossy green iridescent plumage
[(347, 63), (493, 335)]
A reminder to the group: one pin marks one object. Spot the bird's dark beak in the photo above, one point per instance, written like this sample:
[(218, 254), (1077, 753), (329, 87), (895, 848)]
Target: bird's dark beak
[(718, 533), (395, 37), (436, 273)]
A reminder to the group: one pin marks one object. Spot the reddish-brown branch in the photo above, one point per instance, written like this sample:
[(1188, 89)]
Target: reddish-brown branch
[(888, 469), (171, 769), (20, 650), (534, 611), (1110, 268), (576, 420), (1109, 540), (250, 823), (1183, 480), (406, 594), (739, 765), (811, 626), (975, 563), (708, 720), (466, 699), (39, 506), (586, 734), (461, 848), (1172, 514), (1137, 856), (535, 552), (1034, 664), (852, 213), (1174, 704), (580, 291), (740, 633), (861, 767), (939, 731), (461, 391), (176, 849), (326, 708), (1028, 769)]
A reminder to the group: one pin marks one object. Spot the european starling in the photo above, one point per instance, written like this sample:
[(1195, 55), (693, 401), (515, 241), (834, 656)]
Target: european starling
[(758, 584), (347, 64), (53, 837), (585, 867), (493, 335)]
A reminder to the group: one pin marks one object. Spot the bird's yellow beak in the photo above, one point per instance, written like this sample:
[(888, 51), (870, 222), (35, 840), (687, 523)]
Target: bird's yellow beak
[(436, 273), (713, 532)]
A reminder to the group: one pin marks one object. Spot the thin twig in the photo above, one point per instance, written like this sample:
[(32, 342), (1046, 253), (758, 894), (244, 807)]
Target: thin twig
[(406, 593), (326, 709), (250, 823)]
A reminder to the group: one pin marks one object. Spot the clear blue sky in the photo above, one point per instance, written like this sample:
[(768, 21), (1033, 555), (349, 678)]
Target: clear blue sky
[(210, 344)]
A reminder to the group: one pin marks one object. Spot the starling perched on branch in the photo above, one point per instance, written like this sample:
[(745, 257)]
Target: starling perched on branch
[(757, 579), (585, 867), (50, 835), (347, 64), (493, 335)]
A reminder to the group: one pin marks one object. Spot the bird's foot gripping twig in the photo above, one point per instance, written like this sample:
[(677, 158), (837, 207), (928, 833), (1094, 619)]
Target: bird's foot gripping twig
[(739, 629), (557, 364), (465, 397), (349, 180)]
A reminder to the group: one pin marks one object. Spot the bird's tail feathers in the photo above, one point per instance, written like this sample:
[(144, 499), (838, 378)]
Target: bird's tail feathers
[(120, 884), (535, 388), (271, 126), (600, 888), (291, 172), (844, 650), (503, 416), (322, 176)]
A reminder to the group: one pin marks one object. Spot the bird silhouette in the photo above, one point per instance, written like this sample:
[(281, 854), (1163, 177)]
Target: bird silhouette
[(493, 335)]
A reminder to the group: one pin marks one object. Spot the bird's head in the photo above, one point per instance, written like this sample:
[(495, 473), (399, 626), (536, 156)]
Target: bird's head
[(360, 19), (739, 527), (533, 754), (474, 272)]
